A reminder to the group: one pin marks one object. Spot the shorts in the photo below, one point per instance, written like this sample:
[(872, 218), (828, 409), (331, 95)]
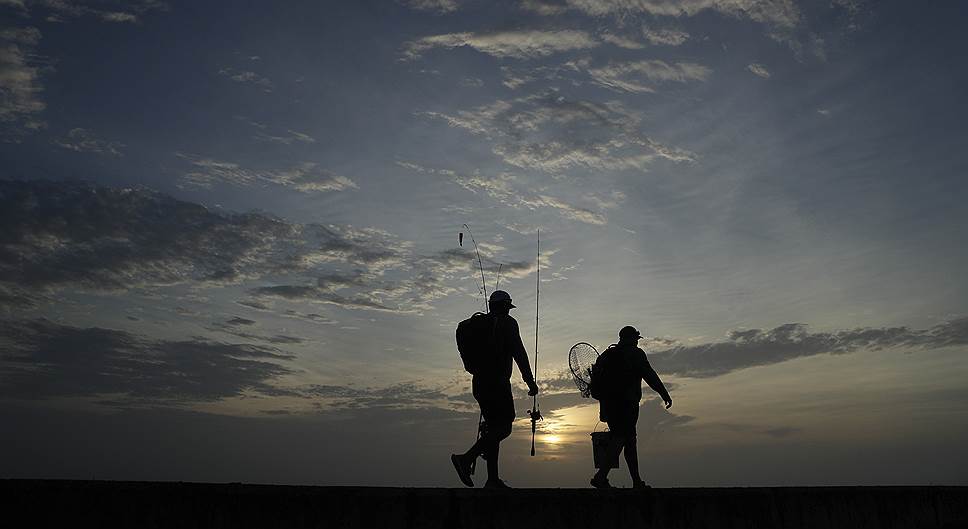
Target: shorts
[(494, 397), (621, 417)]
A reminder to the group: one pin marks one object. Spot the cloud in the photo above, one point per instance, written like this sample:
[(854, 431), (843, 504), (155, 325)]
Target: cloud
[(665, 36), (622, 42), (72, 235), (16, 4), (127, 11), (20, 84), (247, 77), (286, 138), (42, 359), (756, 347), (549, 132), (84, 140), (398, 396), (759, 70), (777, 14), (289, 138), (503, 189), (118, 16), (640, 76), (306, 177), (570, 211), (427, 279), (316, 293), (236, 326), (435, 6), (524, 44)]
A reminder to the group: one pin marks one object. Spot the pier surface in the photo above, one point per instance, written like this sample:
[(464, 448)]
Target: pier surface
[(146, 505)]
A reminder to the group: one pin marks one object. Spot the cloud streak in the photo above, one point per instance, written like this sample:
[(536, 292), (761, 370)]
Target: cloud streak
[(641, 76), (552, 133), (525, 44), (756, 347), (306, 177), (42, 359), (85, 140), (20, 84)]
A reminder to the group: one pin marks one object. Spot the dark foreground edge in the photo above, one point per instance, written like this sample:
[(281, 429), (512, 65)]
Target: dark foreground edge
[(146, 505)]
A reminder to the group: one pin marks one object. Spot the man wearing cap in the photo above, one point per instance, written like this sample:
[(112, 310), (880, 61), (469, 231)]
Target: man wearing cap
[(492, 389), (625, 366)]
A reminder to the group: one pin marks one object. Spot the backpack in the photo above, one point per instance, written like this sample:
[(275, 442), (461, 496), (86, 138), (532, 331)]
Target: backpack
[(474, 337), (603, 384)]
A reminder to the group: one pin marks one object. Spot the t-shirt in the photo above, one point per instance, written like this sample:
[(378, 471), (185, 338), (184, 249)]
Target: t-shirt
[(505, 346)]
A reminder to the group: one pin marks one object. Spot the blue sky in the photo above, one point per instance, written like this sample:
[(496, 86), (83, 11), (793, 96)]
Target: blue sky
[(246, 215)]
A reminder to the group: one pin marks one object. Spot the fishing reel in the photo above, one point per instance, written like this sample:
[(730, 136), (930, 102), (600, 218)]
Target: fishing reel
[(535, 415)]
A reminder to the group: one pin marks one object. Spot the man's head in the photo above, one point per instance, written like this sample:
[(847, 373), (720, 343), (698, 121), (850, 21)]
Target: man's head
[(629, 334), (500, 302)]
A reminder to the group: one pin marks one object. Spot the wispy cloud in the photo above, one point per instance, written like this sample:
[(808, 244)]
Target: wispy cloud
[(74, 237), (42, 359), (85, 140), (641, 76), (549, 132), (71, 235), (759, 70), (622, 42), (433, 6), (665, 36), (781, 14), (127, 11), (20, 84), (118, 16), (524, 44), (267, 134), (503, 189), (306, 177), (756, 347), (247, 77)]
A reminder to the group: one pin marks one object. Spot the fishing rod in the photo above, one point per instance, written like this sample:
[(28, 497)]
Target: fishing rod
[(534, 412), (487, 309), (480, 263)]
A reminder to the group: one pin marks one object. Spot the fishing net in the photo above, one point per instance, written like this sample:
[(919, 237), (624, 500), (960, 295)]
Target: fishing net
[(581, 358)]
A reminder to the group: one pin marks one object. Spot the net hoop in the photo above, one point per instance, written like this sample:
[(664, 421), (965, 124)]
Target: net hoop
[(581, 358)]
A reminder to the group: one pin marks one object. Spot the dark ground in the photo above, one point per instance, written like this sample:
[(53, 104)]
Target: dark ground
[(145, 505)]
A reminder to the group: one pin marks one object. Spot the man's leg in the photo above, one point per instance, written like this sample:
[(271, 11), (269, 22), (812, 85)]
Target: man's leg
[(478, 448), (632, 458), (492, 448)]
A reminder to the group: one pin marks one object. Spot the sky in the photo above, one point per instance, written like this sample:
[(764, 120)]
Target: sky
[(229, 235)]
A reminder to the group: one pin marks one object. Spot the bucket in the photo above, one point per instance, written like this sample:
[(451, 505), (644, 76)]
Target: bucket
[(600, 444)]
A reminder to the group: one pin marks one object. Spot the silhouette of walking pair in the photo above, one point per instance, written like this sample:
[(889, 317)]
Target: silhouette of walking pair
[(489, 343)]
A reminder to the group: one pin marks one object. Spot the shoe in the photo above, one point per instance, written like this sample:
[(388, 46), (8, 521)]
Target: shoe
[(463, 469), (641, 485), (496, 484), (601, 483)]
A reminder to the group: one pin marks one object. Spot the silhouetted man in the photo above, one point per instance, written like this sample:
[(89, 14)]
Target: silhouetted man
[(623, 367), (492, 389)]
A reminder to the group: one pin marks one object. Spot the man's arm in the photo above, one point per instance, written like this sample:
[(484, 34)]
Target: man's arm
[(652, 379), (520, 356)]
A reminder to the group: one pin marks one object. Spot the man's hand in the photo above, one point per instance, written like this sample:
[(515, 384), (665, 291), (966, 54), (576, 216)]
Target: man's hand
[(532, 389), (668, 402)]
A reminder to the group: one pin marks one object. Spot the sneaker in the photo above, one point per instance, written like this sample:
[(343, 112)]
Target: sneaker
[(601, 483), (641, 485), (496, 484), (463, 469)]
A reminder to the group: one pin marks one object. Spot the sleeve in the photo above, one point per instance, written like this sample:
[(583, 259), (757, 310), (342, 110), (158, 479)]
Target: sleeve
[(650, 376), (518, 352)]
